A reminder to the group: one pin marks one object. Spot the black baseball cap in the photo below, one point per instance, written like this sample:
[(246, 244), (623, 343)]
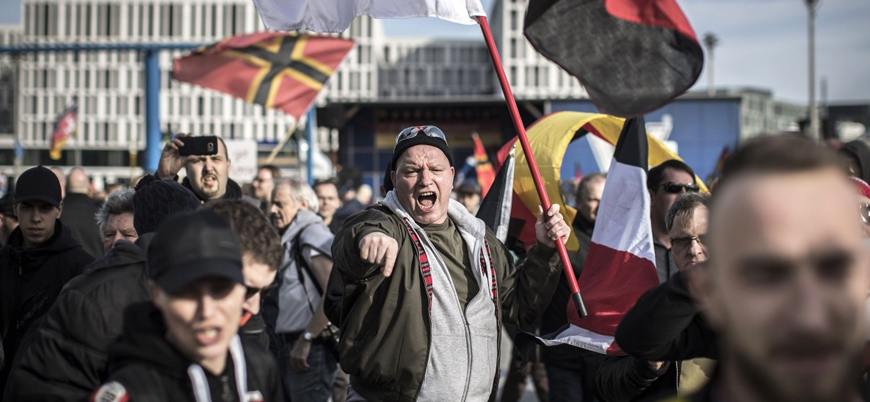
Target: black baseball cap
[(191, 246), (38, 184)]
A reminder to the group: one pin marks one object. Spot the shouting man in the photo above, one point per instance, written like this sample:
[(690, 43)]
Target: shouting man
[(428, 286)]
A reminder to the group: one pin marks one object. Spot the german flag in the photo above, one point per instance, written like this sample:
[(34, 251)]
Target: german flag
[(64, 127), (485, 172), (277, 70)]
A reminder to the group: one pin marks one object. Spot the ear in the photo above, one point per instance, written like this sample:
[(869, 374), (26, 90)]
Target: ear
[(393, 177), (59, 209), (652, 198), (15, 209)]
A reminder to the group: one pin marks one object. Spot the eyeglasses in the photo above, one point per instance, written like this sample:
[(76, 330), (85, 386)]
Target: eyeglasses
[(676, 188), (864, 209), (252, 291), (412, 132), (686, 242)]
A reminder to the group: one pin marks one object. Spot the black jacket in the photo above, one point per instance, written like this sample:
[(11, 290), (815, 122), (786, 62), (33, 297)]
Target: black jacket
[(65, 357), (624, 378), (566, 357), (79, 215), (234, 192), (149, 368), (30, 281), (664, 324)]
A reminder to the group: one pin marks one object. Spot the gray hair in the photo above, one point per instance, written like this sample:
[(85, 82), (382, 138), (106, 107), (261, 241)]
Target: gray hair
[(300, 191), (684, 207), (117, 203)]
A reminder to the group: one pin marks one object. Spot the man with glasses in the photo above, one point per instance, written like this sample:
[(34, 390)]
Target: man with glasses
[(261, 256), (665, 183), (428, 286), (658, 317)]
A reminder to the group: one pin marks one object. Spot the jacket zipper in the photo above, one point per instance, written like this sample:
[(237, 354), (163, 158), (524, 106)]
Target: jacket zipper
[(468, 352)]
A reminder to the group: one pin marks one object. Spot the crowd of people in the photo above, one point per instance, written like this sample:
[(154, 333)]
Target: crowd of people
[(203, 289)]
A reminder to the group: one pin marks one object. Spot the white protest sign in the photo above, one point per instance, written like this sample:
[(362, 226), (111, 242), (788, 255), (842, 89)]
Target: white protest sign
[(243, 154)]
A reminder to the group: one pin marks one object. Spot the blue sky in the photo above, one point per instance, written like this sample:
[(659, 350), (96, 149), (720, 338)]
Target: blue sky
[(763, 43)]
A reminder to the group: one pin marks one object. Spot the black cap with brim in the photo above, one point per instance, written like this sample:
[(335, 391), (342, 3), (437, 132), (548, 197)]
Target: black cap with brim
[(191, 246), (173, 281), (45, 199)]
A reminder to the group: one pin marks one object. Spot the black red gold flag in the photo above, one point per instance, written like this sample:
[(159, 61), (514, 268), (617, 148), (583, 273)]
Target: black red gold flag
[(64, 127), (277, 70), (632, 56)]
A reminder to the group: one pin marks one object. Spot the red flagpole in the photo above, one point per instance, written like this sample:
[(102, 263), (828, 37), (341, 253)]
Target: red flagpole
[(533, 165)]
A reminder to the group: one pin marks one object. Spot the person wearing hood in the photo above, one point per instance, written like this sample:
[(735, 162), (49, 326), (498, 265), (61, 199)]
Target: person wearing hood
[(66, 354), (295, 316), (208, 176), (183, 345), (428, 287), (40, 258)]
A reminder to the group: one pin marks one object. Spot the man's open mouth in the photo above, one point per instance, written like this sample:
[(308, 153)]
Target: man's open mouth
[(426, 200)]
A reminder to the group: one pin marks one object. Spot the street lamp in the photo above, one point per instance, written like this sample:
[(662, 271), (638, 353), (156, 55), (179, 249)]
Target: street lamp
[(812, 7), (710, 42)]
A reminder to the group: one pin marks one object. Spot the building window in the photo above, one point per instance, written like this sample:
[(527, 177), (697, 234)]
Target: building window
[(514, 20)]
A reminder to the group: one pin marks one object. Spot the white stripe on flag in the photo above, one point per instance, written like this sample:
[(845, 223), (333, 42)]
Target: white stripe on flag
[(334, 16), (581, 338), (623, 220)]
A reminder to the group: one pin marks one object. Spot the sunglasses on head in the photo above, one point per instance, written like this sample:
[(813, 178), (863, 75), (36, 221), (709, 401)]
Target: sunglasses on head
[(864, 209), (252, 291), (676, 188), (412, 132)]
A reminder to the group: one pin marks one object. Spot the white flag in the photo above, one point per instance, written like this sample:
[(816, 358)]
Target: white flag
[(334, 16)]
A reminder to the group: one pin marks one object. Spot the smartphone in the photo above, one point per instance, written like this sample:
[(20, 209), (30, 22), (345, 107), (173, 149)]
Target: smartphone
[(206, 145)]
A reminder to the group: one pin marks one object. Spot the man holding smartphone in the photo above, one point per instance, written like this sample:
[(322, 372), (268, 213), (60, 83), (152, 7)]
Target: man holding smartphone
[(207, 175)]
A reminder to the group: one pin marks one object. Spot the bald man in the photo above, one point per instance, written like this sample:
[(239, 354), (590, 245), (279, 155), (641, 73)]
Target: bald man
[(80, 212)]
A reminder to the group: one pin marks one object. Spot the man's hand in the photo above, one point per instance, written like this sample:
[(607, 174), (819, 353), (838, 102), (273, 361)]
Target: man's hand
[(379, 249), (551, 227), (299, 355), (170, 161)]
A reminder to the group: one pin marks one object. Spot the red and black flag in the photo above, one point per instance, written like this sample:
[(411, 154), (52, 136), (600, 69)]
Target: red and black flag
[(632, 56), (277, 70)]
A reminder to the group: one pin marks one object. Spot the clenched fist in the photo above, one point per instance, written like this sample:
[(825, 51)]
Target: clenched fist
[(379, 249), (551, 227)]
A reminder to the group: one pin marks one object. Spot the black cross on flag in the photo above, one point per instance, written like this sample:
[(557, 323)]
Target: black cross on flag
[(277, 70)]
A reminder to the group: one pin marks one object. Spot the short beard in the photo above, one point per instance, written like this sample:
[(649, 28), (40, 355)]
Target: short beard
[(760, 383)]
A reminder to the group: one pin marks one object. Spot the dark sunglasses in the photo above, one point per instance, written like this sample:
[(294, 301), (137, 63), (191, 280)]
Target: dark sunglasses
[(412, 132), (864, 209), (686, 242), (251, 291), (676, 188)]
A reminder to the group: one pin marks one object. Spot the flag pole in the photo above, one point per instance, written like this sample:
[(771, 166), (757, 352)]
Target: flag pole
[(533, 165)]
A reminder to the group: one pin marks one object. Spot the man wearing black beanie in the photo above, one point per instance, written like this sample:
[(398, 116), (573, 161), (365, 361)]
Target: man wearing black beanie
[(40, 258), (66, 354)]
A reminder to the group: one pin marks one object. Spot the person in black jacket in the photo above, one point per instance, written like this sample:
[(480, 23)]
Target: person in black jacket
[(570, 370), (184, 346), (208, 176), (80, 212), (66, 354), (39, 260), (261, 256), (633, 378)]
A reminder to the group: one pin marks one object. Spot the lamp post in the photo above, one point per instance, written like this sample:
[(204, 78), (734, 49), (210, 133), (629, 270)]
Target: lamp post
[(812, 7), (710, 42)]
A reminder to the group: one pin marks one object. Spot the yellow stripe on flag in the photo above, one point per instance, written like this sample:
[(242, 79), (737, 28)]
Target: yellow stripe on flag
[(549, 138)]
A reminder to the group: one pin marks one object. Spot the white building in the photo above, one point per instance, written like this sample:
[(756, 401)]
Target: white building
[(108, 86)]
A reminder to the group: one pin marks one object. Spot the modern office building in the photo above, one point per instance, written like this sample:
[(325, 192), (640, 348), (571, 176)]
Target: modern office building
[(386, 82)]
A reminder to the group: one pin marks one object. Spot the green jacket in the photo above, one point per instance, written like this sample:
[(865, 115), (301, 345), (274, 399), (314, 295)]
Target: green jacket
[(385, 321)]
